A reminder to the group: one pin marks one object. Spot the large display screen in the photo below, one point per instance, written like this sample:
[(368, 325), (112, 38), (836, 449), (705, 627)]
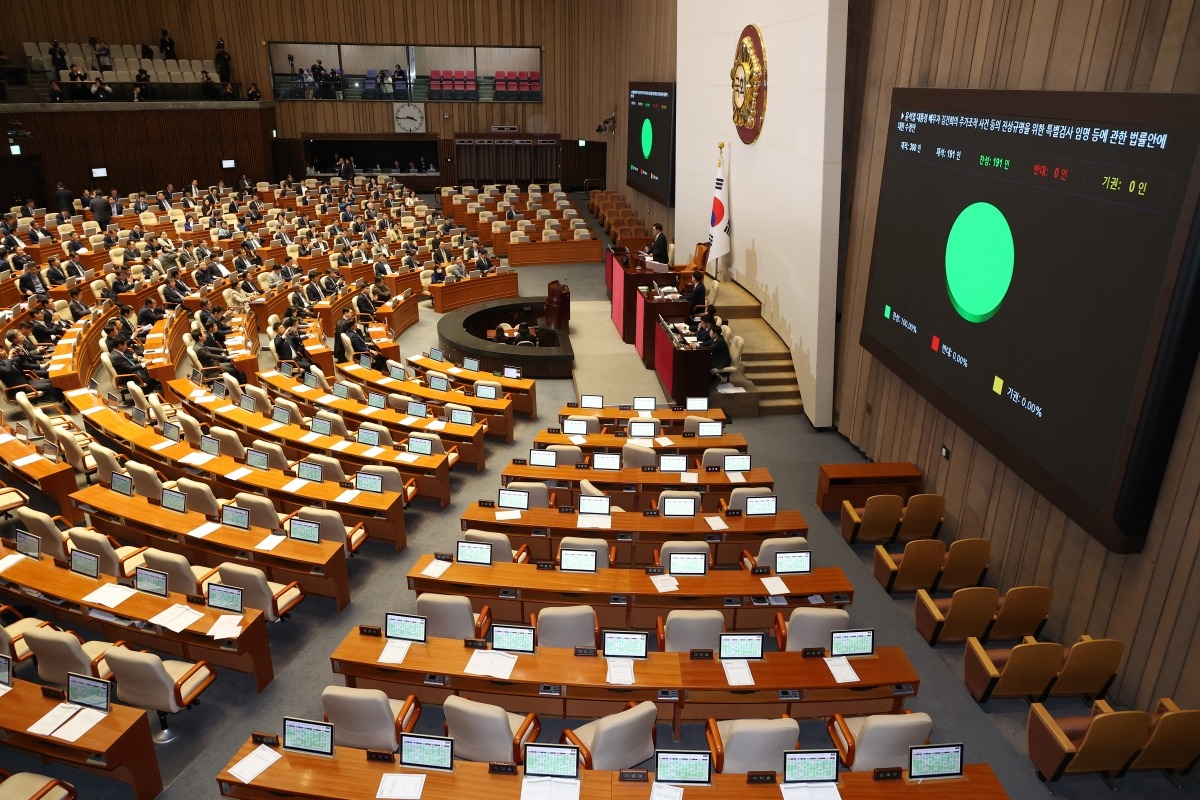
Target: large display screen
[(1034, 263), (651, 146)]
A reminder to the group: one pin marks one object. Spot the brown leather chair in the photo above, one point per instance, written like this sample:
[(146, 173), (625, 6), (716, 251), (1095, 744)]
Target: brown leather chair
[(1089, 669), (1107, 741), (1174, 743), (918, 567), (877, 521), (922, 518), (966, 613), (1021, 671), (1021, 612), (966, 565)]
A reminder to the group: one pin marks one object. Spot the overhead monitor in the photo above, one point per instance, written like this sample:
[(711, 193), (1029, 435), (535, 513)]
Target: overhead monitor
[(708, 429), (410, 627), (84, 690), (228, 163), (935, 761), (308, 736), (793, 562), (513, 498), (689, 564), (85, 563), (473, 553), (512, 638), (225, 598), (644, 403), (594, 505), (852, 643), (572, 560), (608, 461), (761, 506), (672, 463), (420, 751), (678, 506), (173, 500), (696, 403), (683, 767), (741, 646), (650, 144), (552, 760), (624, 644), (738, 462), (304, 530), (543, 458), (591, 401), (99, 172), (235, 517), (810, 766)]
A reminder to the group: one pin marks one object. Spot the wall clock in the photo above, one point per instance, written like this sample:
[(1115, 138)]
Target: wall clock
[(409, 117), (749, 84)]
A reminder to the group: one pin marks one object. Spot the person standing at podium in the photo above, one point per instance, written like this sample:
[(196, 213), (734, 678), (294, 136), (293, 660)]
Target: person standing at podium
[(658, 246)]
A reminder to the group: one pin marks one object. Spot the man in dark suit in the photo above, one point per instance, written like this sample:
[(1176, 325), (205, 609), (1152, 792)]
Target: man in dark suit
[(102, 210), (140, 204), (483, 262), (149, 314), (382, 268), (129, 368), (441, 255), (312, 290), (363, 348), (55, 274), (696, 298), (39, 234), (64, 200), (290, 347), (363, 304), (30, 282), (658, 247), (162, 202)]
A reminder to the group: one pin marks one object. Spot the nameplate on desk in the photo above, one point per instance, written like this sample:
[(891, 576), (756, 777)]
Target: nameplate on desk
[(633, 776), (345, 484), (540, 532), (586, 651), (444, 557), (677, 408), (572, 405), (381, 755), (650, 512), (154, 501), (62, 563), (583, 466), (760, 776), (520, 462), (212, 518), (553, 430), (566, 509), (733, 512), (712, 469), (502, 768), (649, 469), (487, 503), (550, 690), (887, 773), (370, 630), (701, 654), (621, 434), (475, 644), (547, 566), (625, 408), (689, 434), (269, 739), (655, 570), (812, 652), (54, 693)]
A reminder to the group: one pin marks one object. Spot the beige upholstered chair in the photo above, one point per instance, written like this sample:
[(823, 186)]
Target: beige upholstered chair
[(115, 560), (484, 732), (146, 480), (715, 456), (262, 510), (12, 635), (31, 786), (501, 547), (55, 541), (566, 626), (880, 740), (275, 600), (662, 556), (229, 442), (451, 617), (165, 687), (182, 576), (737, 497), (200, 496), (334, 528), (636, 456), (60, 652), (809, 627), (746, 745), (690, 629), (606, 554), (368, 718), (618, 741), (769, 548), (540, 495)]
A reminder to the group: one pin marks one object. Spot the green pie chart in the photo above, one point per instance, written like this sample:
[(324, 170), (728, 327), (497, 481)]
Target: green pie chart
[(980, 256), (647, 138)]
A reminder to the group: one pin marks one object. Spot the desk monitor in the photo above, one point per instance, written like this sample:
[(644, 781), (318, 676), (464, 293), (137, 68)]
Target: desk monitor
[(311, 381), (420, 445), (235, 517), (644, 403), (420, 751), (136, 415), (514, 498), (85, 563), (687, 564), (341, 391), (852, 643), (810, 766), (552, 760), (736, 462), (122, 484), (473, 553), (310, 471), (368, 482), (762, 506), (696, 403), (174, 500), (591, 401), (210, 445), (595, 505), (376, 400), (409, 627), (435, 354), (575, 427), (285, 369), (471, 364), (686, 767), (397, 373), (513, 373), (304, 530), (150, 581), (741, 645), (572, 560), (462, 416), (935, 761), (308, 736), (672, 463), (84, 690), (543, 458), (5, 671), (512, 638), (679, 507), (418, 410), (172, 431), (247, 403), (439, 384), (367, 436), (641, 430), (258, 459), (793, 562), (624, 644), (610, 461), (219, 389), (29, 544), (224, 598), (709, 429), (485, 391), (321, 426), (365, 361)]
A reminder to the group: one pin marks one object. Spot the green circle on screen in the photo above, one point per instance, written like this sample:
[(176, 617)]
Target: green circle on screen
[(647, 137), (979, 261)]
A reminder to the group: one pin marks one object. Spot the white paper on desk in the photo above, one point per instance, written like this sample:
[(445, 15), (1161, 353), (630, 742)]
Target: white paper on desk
[(270, 542), (295, 485), (310, 437), (735, 477), (394, 652), (239, 473), (206, 398), (4, 689), (110, 595), (493, 663), (195, 394), (163, 445), (234, 339), (620, 671), (5, 438), (737, 672), (254, 764), (665, 791), (177, 617), (53, 719), (387, 380), (641, 442), (366, 411), (203, 530), (227, 626), (347, 496), (226, 408), (839, 667), (435, 568), (272, 426), (58, 366), (76, 392), (454, 370), (600, 521), (196, 459), (809, 791), (78, 724), (87, 412), (665, 441), (689, 477), (508, 513), (774, 585), (341, 445), (65, 356), (326, 398), (665, 583), (25, 461), (399, 786), (436, 425), (302, 388), (541, 787), (371, 452), (716, 523), (407, 458), (9, 560), (578, 439), (268, 374), (408, 422)]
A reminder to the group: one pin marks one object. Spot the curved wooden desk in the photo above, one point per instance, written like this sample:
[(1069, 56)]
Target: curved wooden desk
[(693, 446), (447, 296), (523, 391), (564, 251), (24, 468), (671, 417)]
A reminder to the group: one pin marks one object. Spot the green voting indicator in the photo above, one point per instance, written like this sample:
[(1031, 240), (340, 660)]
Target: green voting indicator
[(979, 262), (647, 137)]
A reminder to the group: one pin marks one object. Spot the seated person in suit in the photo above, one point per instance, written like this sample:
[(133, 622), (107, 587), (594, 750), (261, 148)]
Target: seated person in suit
[(54, 272), (22, 347), (39, 234), (343, 326), (76, 244), (129, 367), (380, 293), (718, 355), (149, 314), (696, 297), (439, 274), (289, 346), (363, 347), (382, 267), (364, 306), (299, 305), (47, 328), (458, 269), (30, 282), (524, 334), (76, 307), (332, 282), (174, 290), (312, 289), (12, 375), (483, 263), (275, 276)]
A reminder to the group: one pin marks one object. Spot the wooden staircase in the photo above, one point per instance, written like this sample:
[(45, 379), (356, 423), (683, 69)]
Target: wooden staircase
[(774, 376)]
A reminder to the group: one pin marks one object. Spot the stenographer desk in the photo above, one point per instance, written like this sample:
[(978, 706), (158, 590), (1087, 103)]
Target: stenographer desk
[(118, 747), (318, 567), (649, 308), (671, 417), (627, 598), (522, 391), (467, 438), (556, 682), (682, 371), (58, 594), (613, 442), (636, 536), (382, 514)]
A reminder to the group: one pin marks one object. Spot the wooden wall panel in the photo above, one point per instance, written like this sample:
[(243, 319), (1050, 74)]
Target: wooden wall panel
[(1150, 601)]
